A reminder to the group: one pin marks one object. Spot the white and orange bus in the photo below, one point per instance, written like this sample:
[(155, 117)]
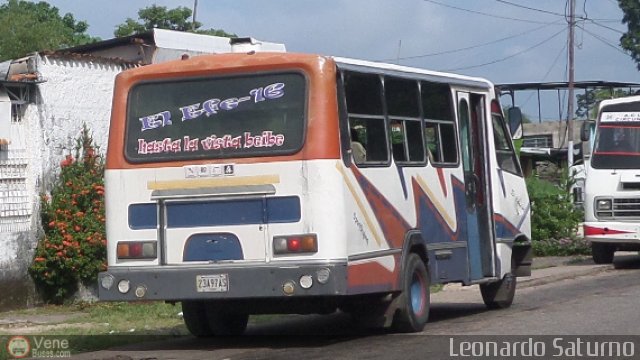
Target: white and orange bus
[(241, 184)]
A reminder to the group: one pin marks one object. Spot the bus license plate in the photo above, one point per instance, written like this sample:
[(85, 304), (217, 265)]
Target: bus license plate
[(212, 283)]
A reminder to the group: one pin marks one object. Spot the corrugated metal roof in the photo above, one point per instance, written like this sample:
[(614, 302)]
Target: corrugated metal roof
[(87, 57), (170, 39)]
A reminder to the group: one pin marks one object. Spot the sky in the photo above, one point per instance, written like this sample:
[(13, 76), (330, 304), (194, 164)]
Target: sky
[(505, 41)]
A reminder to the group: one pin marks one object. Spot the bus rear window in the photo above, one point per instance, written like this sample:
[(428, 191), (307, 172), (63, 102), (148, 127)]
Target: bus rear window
[(209, 118)]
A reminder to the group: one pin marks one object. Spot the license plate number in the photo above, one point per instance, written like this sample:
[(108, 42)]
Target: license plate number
[(212, 283)]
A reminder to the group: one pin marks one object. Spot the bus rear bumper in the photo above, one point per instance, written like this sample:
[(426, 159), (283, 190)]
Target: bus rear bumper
[(221, 282)]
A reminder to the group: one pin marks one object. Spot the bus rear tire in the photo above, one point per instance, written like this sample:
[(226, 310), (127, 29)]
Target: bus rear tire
[(226, 322), (194, 314), (602, 253), (413, 311), (499, 294)]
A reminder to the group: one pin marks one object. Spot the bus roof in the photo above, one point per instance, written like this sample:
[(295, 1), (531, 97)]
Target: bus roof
[(621, 100), (405, 71), (262, 59)]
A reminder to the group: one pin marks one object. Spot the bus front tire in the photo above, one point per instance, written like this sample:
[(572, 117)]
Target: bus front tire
[(602, 253), (499, 294), (413, 312)]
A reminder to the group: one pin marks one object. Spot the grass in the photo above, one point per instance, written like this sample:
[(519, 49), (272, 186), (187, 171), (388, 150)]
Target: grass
[(92, 326), (103, 318), (118, 318)]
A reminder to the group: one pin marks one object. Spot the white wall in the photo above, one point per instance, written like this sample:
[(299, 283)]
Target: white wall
[(75, 90)]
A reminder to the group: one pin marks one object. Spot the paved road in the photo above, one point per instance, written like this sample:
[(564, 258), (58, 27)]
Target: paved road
[(598, 300)]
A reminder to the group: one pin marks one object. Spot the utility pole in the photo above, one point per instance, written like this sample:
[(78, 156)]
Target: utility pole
[(572, 24), (195, 8)]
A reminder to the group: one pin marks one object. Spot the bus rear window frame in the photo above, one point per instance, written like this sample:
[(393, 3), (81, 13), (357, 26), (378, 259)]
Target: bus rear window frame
[(200, 157)]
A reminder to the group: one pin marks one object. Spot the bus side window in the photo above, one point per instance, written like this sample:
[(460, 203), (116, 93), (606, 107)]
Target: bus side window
[(363, 95), (403, 108), (439, 126)]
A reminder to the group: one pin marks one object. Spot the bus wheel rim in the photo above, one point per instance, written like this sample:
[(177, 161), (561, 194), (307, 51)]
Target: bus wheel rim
[(417, 296)]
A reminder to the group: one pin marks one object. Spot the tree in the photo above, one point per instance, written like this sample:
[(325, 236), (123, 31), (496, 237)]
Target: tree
[(588, 103), (159, 17), (630, 40), (26, 27)]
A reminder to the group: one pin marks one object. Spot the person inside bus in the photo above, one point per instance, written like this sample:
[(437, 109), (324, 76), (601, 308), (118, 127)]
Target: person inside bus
[(621, 143), (357, 149)]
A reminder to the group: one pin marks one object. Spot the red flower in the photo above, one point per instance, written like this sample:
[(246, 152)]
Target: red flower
[(67, 161)]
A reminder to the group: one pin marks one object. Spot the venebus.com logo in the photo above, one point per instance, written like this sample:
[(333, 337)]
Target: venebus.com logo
[(19, 347)]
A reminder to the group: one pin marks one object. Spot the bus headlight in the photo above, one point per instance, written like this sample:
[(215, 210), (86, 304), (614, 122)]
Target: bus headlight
[(604, 208), (603, 204)]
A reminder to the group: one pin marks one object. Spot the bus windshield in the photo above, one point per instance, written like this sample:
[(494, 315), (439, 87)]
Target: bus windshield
[(617, 146), (222, 117)]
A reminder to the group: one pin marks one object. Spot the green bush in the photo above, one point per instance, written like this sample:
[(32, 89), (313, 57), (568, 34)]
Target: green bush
[(561, 247), (73, 248), (554, 218)]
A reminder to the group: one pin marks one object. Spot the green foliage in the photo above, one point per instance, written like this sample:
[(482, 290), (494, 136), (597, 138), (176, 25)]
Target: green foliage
[(554, 218), (562, 247), (73, 249), (630, 41), (588, 103), (27, 27), (159, 17)]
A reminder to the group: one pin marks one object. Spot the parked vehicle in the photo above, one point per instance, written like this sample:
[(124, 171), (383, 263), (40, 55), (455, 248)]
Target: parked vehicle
[(612, 186), (231, 187)]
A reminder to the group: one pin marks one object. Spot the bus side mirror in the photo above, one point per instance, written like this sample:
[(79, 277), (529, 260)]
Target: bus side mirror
[(515, 122), (585, 130)]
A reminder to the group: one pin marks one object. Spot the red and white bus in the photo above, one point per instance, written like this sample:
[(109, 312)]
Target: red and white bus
[(241, 184), (612, 185)]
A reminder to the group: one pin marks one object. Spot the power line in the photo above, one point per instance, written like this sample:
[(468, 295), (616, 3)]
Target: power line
[(604, 26), (510, 56), (486, 14), (530, 8), (585, 17), (604, 41), (468, 47), (553, 65)]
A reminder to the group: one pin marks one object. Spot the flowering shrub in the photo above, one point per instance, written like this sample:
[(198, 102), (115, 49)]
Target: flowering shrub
[(73, 248)]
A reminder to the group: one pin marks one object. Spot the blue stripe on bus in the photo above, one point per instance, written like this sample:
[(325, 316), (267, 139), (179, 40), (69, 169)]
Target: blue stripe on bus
[(283, 209)]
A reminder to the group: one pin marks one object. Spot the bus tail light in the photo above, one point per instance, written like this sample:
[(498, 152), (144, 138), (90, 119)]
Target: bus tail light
[(137, 250), (307, 243)]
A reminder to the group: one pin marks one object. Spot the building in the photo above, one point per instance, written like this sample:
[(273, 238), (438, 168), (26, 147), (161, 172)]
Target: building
[(45, 98)]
